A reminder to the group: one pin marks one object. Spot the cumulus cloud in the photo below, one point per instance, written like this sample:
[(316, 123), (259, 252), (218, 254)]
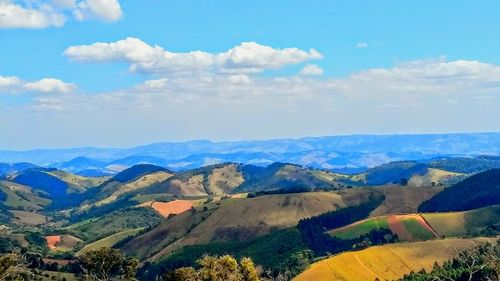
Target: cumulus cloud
[(311, 69), (14, 85), (107, 10), (412, 96), (50, 85), (248, 57), (424, 78), (37, 14), (14, 15)]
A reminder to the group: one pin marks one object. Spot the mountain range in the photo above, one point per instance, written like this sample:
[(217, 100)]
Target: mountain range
[(348, 154)]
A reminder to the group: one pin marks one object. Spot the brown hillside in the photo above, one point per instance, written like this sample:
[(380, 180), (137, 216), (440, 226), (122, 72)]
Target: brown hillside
[(237, 219), (403, 199)]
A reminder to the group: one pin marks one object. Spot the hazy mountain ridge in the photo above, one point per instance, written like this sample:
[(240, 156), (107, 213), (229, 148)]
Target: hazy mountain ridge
[(341, 153)]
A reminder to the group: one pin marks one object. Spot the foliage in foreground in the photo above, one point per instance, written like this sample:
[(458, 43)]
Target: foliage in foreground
[(105, 264), (215, 269), (280, 251), (479, 264)]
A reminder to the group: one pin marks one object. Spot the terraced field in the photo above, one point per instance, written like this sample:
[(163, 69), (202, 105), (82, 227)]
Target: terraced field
[(387, 262)]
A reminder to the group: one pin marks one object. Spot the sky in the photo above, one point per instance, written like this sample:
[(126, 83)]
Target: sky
[(116, 73)]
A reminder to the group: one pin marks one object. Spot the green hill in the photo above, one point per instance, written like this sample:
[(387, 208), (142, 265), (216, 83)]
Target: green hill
[(479, 190)]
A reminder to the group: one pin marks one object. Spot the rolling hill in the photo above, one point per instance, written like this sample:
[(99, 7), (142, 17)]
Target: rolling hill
[(411, 227), (17, 196), (425, 226), (8, 169), (479, 190), (238, 219)]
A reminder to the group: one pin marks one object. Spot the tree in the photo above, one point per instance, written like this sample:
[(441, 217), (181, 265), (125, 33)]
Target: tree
[(212, 268), (6, 262), (130, 269), (248, 271), (105, 263), (219, 269)]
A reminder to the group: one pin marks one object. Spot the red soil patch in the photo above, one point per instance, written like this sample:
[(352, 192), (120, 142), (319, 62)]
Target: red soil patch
[(52, 241), (173, 207), (396, 226)]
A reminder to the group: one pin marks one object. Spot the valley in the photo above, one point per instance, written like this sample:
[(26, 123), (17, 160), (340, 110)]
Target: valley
[(169, 219)]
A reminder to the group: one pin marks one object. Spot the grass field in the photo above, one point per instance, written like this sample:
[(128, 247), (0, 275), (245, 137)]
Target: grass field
[(239, 219), (411, 227), (20, 196), (158, 197), (360, 228), (28, 218), (403, 199), (109, 241), (458, 224), (434, 176), (387, 262), (142, 182)]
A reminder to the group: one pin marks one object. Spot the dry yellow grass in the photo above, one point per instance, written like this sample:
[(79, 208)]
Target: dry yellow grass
[(448, 224), (78, 182), (141, 182), (432, 175), (403, 200), (27, 200), (387, 262), (234, 219), (190, 187), (28, 218), (224, 180)]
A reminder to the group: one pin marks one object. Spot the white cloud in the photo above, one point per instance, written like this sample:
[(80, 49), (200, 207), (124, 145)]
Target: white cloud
[(50, 85), (424, 79), (311, 69), (9, 83), (16, 16), (362, 45), (253, 57), (248, 57), (413, 96), (107, 10), (38, 14), (14, 85)]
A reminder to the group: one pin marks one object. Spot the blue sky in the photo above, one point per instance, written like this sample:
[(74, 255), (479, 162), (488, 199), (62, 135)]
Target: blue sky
[(380, 67)]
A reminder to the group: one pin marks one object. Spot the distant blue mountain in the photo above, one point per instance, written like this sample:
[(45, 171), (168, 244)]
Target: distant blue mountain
[(7, 169), (342, 153)]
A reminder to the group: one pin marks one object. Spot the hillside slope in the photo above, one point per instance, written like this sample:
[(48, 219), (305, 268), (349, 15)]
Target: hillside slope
[(387, 262), (479, 190), (238, 219)]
